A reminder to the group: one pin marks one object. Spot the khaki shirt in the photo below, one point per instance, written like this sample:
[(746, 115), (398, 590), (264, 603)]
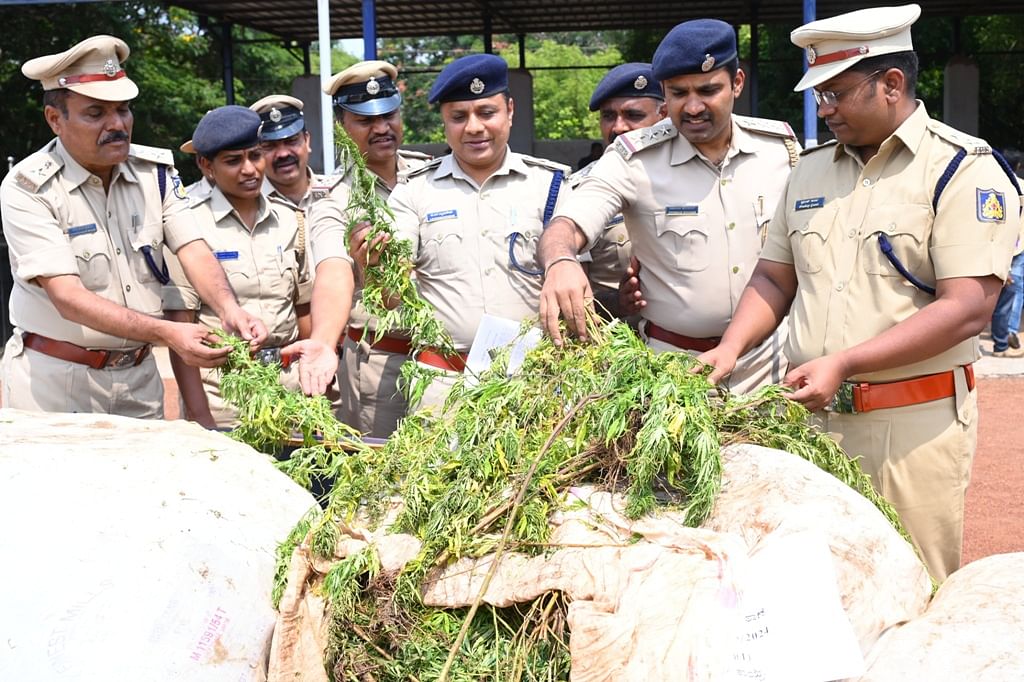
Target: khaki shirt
[(329, 223), (695, 228), (461, 232), (833, 211), (609, 256), (262, 266), (58, 221)]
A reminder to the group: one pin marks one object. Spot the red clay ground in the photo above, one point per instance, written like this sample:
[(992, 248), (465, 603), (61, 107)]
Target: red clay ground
[(995, 499)]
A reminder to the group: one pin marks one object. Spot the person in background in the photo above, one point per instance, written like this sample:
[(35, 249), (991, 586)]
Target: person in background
[(596, 149), (256, 242), (85, 219), (1006, 316), (888, 252)]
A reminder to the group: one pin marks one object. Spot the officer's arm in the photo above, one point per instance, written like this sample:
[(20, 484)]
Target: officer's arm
[(208, 278), (190, 384), (765, 301), (566, 291), (77, 304)]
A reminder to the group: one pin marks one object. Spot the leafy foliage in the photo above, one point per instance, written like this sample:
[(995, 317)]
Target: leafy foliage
[(483, 476)]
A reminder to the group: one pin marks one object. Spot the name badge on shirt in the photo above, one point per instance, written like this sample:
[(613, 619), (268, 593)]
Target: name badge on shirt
[(688, 209), (617, 220), (81, 229), (442, 215), (226, 255), (813, 202)]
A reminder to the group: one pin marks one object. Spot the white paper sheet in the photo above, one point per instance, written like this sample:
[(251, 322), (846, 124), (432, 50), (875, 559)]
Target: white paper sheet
[(497, 332)]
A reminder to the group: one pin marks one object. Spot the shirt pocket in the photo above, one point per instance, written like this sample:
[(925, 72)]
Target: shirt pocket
[(147, 253), (617, 235), (906, 228), (809, 234), (522, 248), (288, 273), (440, 247), (91, 249), (685, 236)]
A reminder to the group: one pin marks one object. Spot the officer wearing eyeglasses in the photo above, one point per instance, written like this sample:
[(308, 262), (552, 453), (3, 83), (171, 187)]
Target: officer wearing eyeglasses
[(888, 252)]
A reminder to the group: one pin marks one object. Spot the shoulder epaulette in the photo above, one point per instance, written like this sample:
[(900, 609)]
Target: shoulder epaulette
[(428, 166), (412, 154), (34, 171), (546, 163), (823, 145), (154, 154), (632, 142), (969, 143), (327, 182), (577, 177), (766, 126)]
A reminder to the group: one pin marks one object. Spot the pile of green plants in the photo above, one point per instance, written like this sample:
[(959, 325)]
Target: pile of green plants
[(483, 476)]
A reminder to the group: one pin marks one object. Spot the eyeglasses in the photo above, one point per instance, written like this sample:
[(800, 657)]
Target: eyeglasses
[(831, 99)]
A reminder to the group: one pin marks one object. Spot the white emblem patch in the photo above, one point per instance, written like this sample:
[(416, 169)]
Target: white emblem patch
[(640, 83), (372, 86), (477, 86)]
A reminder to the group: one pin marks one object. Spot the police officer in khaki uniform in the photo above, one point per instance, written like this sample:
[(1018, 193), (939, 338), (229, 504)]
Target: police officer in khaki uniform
[(696, 190), (85, 219), (886, 284), (627, 98), (367, 104), (475, 215), (255, 240)]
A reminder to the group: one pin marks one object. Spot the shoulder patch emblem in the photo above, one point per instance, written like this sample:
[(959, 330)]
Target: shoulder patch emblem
[(991, 206), (179, 190)]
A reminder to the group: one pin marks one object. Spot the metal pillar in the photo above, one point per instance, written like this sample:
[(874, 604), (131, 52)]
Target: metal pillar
[(522, 50), (755, 40), (810, 106), (488, 35), (323, 15), (307, 62), (369, 29), (227, 56)]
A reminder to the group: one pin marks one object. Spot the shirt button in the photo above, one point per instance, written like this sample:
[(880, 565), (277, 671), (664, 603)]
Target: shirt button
[(732, 225), (118, 251), (839, 286), (127, 287), (86, 254), (724, 181), (94, 180), (735, 269), (867, 182), (851, 233), (488, 271)]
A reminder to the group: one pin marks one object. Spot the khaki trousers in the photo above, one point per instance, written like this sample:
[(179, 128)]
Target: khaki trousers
[(368, 383), (38, 382), (919, 458)]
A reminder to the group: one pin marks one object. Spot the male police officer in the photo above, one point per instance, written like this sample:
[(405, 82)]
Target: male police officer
[(85, 220), (629, 97), (474, 216), (888, 251), (367, 104), (695, 190)]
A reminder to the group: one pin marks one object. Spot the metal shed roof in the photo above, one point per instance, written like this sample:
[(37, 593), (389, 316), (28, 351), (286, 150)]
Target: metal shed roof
[(297, 19)]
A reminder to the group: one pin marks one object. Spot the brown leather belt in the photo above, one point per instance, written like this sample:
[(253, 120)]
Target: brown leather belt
[(678, 340), (97, 359), (449, 363), (858, 397), (388, 344)]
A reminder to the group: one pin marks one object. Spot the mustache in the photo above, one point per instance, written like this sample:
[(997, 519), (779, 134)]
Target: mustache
[(116, 136), (286, 160)]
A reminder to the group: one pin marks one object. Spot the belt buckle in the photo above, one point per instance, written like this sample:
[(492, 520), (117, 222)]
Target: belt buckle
[(842, 401), (118, 359), (268, 356)]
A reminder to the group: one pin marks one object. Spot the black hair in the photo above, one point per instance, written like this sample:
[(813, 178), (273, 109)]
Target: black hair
[(58, 99), (904, 61), (732, 66)]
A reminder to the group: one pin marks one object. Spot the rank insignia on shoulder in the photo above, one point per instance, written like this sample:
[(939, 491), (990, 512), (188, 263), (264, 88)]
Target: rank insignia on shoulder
[(318, 193), (991, 206), (807, 204)]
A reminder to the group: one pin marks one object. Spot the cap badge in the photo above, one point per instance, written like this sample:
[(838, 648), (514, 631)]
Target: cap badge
[(274, 115), (640, 83), (708, 63), (372, 86), (812, 55), (477, 86), (110, 68)]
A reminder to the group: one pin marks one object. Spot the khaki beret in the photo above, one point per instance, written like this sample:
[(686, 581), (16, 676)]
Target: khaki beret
[(93, 67), (835, 44)]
